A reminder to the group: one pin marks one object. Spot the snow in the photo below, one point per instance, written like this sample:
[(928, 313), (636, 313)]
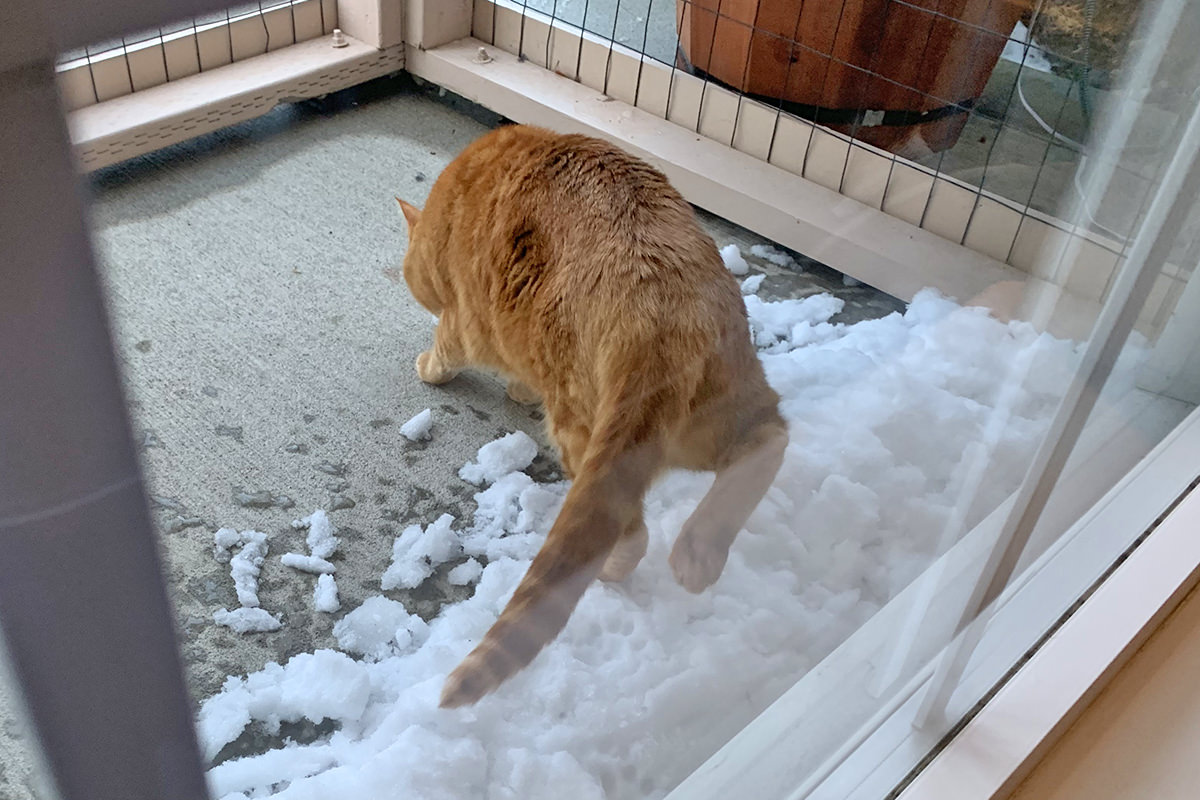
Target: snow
[(378, 628), (246, 565), (418, 551), (312, 564), (510, 453), (734, 262), (224, 540), (417, 429), (315, 686), (325, 596), (465, 573), (785, 325), (322, 544), (647, 680), (776, 257), (247, 620), (321, 540), (752, 284)]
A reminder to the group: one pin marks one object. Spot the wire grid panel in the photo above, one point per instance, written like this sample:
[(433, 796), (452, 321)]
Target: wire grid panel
[(944, 114), (139, 61)]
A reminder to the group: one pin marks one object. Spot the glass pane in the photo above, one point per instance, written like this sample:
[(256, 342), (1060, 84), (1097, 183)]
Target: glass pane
[(285, 432)]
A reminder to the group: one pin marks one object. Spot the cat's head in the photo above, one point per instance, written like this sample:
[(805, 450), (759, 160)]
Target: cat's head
[(418, 266)]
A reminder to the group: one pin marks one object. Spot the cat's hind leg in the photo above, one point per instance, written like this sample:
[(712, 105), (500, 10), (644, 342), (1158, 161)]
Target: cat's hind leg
[(744, 473), (627, 552), (445, 359)]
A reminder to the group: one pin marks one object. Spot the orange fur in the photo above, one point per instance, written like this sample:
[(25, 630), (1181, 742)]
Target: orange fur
[(578, 272)]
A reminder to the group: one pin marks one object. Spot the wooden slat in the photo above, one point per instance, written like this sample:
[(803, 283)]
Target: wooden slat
[(146, 67), (75, 87), (109, 132)]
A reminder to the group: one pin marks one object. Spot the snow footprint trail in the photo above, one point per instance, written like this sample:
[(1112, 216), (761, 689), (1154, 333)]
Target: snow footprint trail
[(646, 681)]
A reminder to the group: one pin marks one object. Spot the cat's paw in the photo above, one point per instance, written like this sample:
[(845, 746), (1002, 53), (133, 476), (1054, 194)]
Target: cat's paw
[(430, 370), (696, 564), (520, 393)]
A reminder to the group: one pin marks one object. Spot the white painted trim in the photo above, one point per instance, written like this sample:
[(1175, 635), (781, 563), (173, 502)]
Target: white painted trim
[(995, 750), (138, 123), (430, 23), (379, 23), (861, 241)]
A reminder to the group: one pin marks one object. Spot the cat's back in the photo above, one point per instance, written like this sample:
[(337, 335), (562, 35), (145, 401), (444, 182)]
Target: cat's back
[(577, 191), (555, 236)]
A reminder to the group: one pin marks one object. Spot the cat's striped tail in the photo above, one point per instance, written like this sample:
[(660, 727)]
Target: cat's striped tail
[(601, 503)]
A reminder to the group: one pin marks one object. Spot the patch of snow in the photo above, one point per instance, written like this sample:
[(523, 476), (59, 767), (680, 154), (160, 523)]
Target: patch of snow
[(325, 596), (322, 543), (509, 453), (247, 620), (246, 564), (775, 256), (418, 551), (318, 566), (417, 429), (379, 628), (752, 284), (321, 685), (225, 540), (732, 256), (321, 540), (647, 680), (466, 572)]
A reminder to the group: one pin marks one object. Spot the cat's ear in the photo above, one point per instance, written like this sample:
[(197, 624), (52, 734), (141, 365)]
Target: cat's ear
[(411, 212)]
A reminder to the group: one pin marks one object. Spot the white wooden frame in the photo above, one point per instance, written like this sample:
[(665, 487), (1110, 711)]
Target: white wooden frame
[(223, 75), (137, 123), (999, 746), (74, 517), (139, 65)]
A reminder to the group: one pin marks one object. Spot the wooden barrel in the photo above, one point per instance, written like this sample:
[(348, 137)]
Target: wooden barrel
[(900, 76)]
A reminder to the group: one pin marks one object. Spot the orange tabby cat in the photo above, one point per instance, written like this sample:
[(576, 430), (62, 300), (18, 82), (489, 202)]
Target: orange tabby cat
[(577, 271)]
